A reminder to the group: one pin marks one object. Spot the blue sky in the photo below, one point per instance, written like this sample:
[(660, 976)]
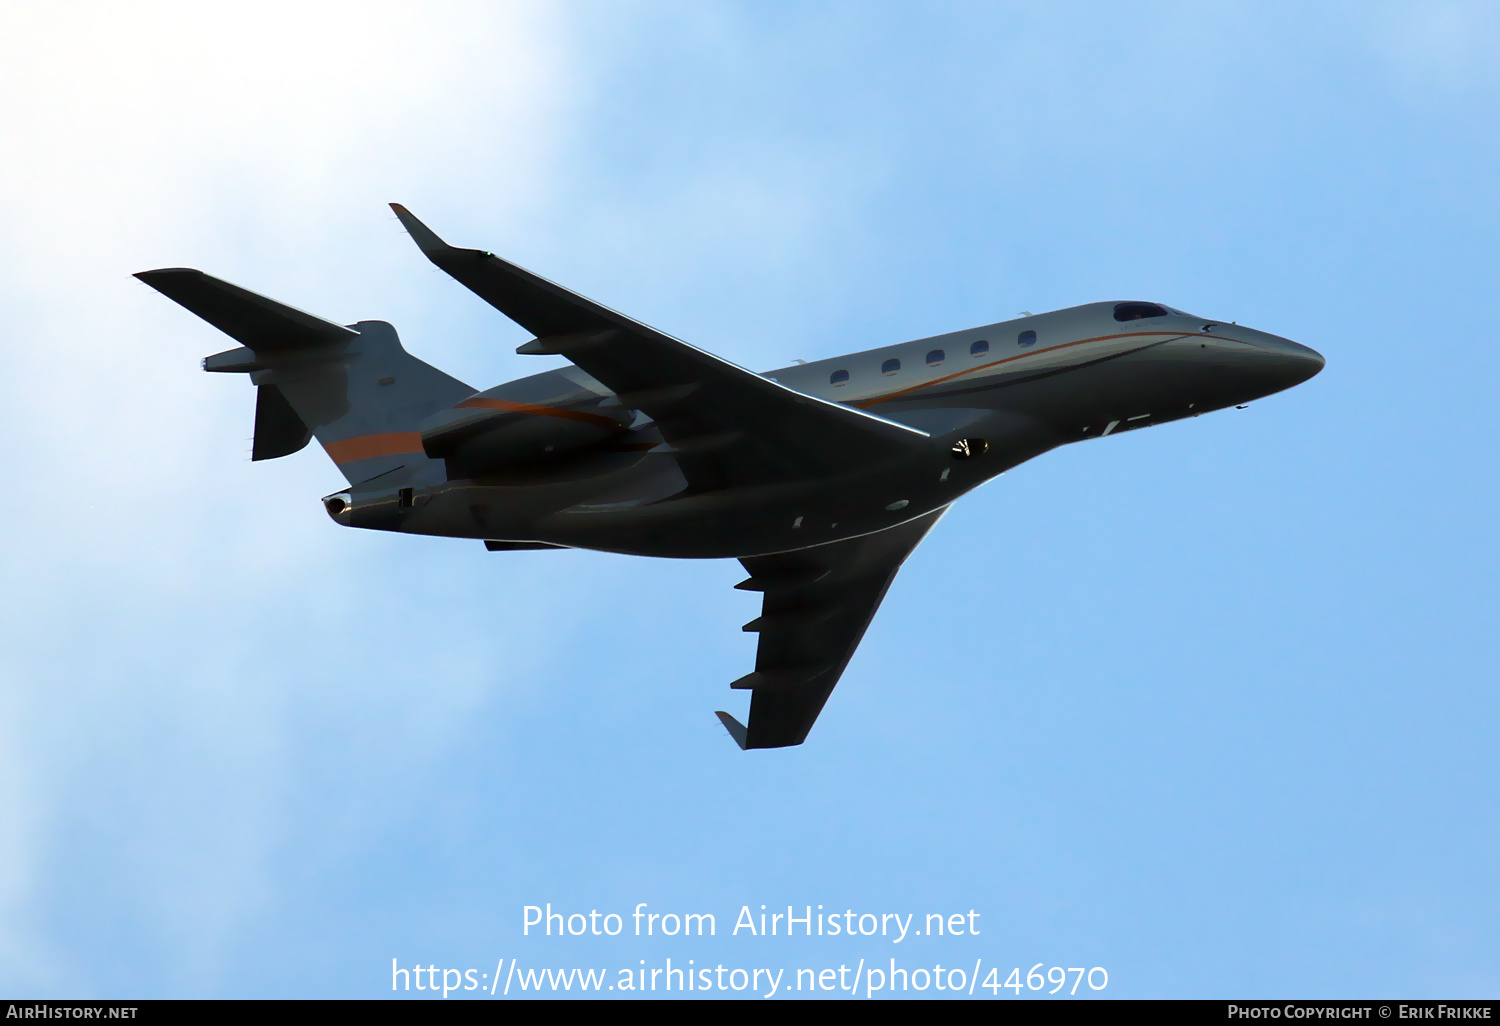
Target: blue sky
[(1211, 706)]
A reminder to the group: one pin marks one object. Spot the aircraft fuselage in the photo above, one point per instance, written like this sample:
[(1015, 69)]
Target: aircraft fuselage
[(821, 478), (989, 398)]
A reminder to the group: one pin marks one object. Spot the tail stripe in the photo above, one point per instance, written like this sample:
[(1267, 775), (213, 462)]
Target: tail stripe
[(363, 447), (488, 403)]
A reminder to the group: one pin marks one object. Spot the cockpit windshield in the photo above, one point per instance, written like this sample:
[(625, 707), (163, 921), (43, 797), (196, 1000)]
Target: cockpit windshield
[(1138, 311)]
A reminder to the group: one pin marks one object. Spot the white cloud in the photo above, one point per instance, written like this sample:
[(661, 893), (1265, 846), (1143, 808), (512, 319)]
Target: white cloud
[(146, 755)]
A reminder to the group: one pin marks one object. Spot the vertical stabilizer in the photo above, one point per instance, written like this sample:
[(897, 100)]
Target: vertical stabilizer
[(354, 388)]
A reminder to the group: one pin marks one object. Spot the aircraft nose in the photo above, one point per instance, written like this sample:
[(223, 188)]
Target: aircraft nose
[(1299, 362), (1293, 362)]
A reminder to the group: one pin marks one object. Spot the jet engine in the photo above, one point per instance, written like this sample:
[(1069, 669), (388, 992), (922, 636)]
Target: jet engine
[(489, 432)]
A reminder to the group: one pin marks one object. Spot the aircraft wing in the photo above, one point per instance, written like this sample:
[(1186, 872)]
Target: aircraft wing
[(818, 602), (728, 426)]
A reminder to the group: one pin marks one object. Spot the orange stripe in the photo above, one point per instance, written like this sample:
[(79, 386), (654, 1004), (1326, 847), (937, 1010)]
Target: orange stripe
[(478, 403), (363, 447), (1021, 356)]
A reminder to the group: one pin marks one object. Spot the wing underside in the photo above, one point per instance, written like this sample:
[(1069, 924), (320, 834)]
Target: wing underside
[(817, 604)]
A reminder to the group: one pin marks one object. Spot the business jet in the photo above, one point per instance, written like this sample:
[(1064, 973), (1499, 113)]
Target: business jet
[(820, 478)]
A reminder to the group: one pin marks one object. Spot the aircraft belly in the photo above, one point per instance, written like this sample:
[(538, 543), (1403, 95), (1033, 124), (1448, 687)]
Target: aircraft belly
[(645, 507), (743, 522), (732, 525)]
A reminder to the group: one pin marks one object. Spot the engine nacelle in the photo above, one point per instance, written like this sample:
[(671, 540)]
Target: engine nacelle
[(492, 430)]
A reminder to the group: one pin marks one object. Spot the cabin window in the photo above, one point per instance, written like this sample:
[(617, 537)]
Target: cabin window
[(1138, 311), (935, 357), (979, 348), (838, 377), (890, 366), (1026, 338)]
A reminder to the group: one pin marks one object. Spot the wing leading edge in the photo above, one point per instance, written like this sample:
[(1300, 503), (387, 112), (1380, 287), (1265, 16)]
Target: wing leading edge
[(817, 604), (728, 427)]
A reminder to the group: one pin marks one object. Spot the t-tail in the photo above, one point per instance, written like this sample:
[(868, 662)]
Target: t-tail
[(354, 387)]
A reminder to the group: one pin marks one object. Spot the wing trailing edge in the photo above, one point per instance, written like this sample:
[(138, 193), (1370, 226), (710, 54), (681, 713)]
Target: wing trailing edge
[(817, 605), (727, 426)]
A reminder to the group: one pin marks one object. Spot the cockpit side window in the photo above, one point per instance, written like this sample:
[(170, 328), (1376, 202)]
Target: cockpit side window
[(1138, 311)]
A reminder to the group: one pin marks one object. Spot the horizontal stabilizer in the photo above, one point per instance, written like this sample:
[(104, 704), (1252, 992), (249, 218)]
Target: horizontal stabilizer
[(255, 321), (234, 361)]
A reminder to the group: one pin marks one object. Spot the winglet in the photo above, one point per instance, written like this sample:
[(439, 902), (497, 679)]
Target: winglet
[(735, 727), (544, 308), (426, 239)]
